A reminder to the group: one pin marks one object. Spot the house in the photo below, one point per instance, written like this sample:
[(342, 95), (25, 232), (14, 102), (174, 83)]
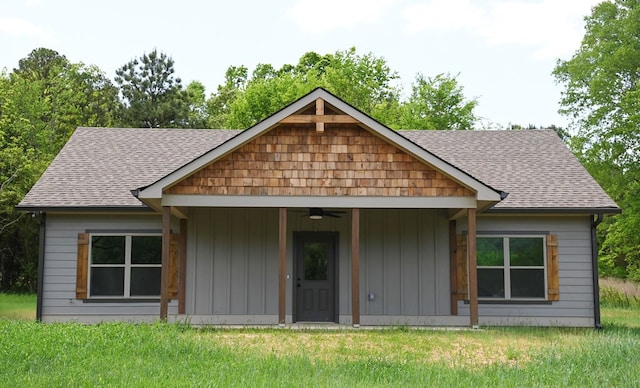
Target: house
[(318, 214)]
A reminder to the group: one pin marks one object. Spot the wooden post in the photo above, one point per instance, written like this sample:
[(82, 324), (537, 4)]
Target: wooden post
[(282, 266), (182, 271), (164, 277), (355, 267), (320, 112), (453, 267), (473, 267)]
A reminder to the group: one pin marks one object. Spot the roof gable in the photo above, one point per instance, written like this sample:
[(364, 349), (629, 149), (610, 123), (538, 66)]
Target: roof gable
[(297, 160), (339, 112)]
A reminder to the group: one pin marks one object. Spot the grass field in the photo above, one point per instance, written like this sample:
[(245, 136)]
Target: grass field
[(119, 354), (18, 306)]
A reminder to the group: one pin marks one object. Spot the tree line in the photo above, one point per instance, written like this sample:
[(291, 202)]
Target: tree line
[(46, 97)]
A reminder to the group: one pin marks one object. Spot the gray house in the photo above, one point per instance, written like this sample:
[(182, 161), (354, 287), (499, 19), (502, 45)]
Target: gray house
[(318, 214)]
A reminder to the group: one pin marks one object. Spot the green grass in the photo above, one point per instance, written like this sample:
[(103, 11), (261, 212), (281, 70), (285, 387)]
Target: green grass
[(120, 354), (18, 306), (34, 354)]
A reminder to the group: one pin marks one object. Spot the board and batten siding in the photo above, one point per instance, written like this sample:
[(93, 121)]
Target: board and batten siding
[(232, 263), (59, 301), (404, 267), (575, 307)]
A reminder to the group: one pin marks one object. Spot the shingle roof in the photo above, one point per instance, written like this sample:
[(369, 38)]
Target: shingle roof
[(533, 166), (99, 167)]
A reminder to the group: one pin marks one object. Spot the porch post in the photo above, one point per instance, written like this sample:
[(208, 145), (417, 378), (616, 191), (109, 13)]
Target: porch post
[(282, 266), (473, 267), (164, 277), (355, 267), (183, 266), (453, 267)]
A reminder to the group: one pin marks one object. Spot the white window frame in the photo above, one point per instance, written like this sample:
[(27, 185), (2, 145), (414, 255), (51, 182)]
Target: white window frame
[(506, 267), (127, 265)]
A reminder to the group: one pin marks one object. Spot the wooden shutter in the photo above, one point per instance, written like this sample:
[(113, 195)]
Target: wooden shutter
[(82, 268), (462, 269), (174, 255), (553, 288)]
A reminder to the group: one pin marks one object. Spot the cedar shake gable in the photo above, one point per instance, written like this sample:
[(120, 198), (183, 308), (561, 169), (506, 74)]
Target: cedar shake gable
[(319, 146), (342, 160)]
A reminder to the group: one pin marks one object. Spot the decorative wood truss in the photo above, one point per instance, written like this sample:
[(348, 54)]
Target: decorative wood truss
[(320, 118)]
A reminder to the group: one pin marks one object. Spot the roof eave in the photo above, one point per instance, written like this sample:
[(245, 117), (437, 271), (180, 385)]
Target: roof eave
[(555, 210), (83, 209)]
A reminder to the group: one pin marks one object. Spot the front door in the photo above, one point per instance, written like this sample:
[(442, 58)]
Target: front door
[(315, 256)]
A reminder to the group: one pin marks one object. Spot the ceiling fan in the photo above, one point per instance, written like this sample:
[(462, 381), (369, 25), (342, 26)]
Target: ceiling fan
[(317, 213)]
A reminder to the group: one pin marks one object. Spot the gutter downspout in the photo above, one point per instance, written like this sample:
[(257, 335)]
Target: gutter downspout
[(594, 269), (42, 217)]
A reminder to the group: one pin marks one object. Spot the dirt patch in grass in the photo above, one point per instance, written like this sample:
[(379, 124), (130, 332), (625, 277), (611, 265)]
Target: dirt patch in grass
[(470, 350)]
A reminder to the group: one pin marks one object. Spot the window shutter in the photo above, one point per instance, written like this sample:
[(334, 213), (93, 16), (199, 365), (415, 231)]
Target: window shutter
[(174, 254), (553, 288), (462, 269), (82, 266)]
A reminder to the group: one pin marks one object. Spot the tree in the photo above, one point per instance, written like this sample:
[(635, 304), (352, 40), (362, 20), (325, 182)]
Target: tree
[(152, 95), (198, 114), (438, 103), (602, 99), (41, 103), (363, 81)]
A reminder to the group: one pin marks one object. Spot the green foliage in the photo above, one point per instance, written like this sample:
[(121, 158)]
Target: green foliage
[(602, 97), (364, 81), (41, 104), (197, 115), (438, 103), (152, 95)]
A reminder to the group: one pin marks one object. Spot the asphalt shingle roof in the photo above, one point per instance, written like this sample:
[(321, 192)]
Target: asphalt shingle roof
[(99, 167)]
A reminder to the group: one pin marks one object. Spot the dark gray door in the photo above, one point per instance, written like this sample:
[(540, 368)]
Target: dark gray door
[(315, 276)]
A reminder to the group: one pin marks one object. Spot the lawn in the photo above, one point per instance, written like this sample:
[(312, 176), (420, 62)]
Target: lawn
[(18, 306), (33, 354)]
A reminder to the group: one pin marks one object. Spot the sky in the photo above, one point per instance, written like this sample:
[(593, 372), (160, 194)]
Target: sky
[(501, 51)]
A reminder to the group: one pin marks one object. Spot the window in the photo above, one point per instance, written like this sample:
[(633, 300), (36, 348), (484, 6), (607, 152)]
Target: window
[(125, 265), (511, 267)]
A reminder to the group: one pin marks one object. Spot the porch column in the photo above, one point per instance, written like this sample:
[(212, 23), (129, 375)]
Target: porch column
[(453, 267), (282, 266), (473, 267), (183, 266), (355, 267), (164, 272)]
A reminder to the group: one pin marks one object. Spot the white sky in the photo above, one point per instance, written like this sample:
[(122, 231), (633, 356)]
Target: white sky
[(503, 50)]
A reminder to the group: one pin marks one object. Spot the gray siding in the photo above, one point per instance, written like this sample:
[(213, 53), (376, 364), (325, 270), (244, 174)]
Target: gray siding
[(232, 262), (404, 262), (232, 267), (59, 288), (575, 306)]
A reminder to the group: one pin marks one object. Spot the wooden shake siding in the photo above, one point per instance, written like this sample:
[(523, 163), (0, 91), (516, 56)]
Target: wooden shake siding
[(297, 160)]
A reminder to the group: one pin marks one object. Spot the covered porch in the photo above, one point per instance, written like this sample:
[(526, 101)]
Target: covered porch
[(320, 154), (245, 266)]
